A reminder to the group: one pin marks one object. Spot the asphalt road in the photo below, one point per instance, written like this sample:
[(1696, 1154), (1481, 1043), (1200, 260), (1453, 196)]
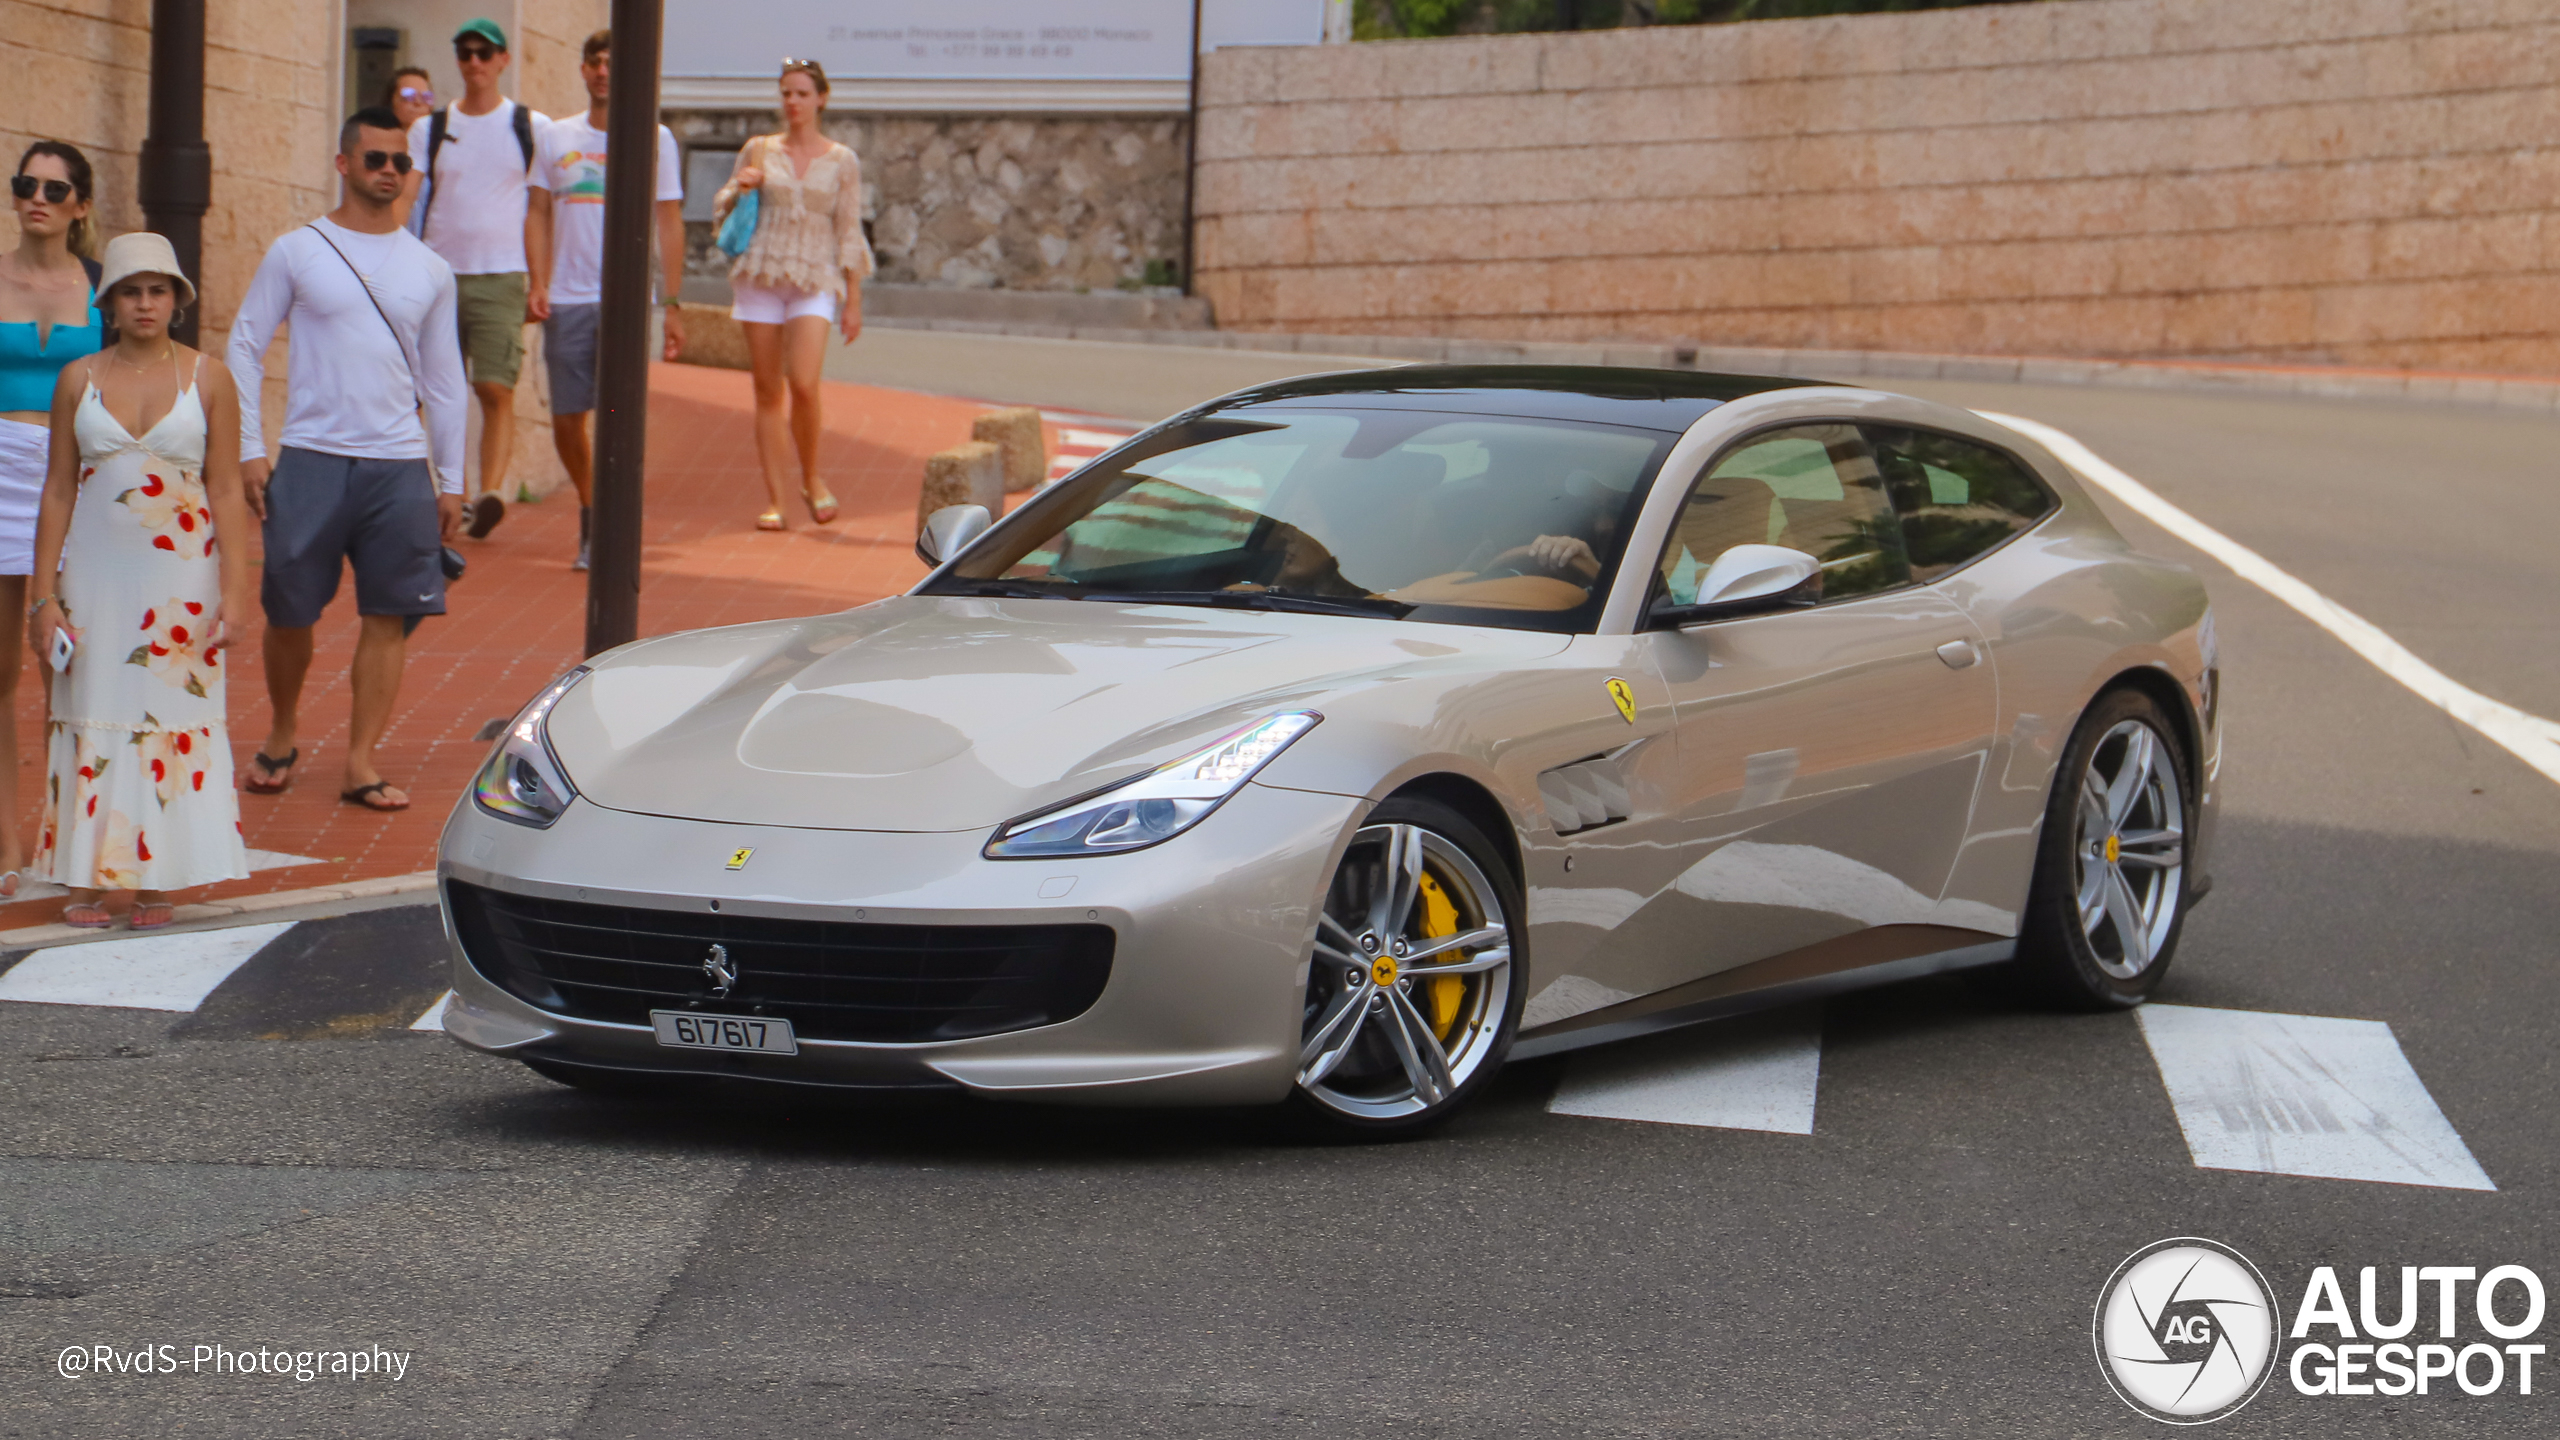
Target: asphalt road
[(288, 1165)]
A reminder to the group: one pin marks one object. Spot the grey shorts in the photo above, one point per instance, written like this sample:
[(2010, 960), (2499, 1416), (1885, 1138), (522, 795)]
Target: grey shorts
[(569, 355), (326, 510)]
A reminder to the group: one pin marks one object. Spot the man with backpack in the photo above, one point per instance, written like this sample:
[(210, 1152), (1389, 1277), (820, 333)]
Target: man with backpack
[(476, 159), (373, 391)]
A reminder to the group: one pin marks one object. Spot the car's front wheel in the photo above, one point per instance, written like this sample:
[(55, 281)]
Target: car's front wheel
[(1411, 993), (2111, 874)]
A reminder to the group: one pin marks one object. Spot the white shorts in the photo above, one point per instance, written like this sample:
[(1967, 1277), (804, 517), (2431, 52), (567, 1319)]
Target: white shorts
[(773, 304)]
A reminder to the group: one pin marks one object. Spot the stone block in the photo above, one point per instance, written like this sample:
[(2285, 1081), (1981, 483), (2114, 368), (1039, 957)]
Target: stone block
[(970, 474), (1015, 431), (713, 338)]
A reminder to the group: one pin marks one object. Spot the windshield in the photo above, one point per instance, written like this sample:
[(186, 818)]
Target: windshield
[(1459, 519)]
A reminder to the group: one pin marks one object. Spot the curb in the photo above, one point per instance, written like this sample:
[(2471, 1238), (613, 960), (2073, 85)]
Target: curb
[(215, 915), (2526, 393)]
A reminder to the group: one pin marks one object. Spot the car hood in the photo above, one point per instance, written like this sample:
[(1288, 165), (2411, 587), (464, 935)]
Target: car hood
[(931, 713)]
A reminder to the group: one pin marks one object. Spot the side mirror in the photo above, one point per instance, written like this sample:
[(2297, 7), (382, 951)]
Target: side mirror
[(949, 530), (1748, 579)]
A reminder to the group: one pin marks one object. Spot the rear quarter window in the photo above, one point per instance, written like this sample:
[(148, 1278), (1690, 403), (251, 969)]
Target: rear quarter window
[(1955, 498)]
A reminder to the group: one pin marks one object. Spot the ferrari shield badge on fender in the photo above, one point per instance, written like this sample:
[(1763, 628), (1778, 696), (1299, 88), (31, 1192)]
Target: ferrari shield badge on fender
[(1619, 690), (738, 858)]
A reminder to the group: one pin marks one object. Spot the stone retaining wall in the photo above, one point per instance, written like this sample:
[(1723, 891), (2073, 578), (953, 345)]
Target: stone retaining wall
[(2360, 181), (1058, 202)]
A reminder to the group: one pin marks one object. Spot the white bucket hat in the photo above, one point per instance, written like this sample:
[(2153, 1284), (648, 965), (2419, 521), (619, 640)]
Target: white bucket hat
[(142, 253)]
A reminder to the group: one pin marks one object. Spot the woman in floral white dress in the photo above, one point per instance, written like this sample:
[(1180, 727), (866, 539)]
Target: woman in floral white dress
[(143, 489)]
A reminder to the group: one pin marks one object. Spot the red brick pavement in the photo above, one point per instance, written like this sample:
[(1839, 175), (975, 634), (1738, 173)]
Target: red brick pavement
[(518, 618)]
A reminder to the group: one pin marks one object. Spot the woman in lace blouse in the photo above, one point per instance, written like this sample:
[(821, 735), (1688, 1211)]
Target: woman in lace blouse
[(803, 271)]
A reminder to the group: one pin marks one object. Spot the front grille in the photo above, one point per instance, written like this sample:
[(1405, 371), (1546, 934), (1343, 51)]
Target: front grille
[(833, 980)]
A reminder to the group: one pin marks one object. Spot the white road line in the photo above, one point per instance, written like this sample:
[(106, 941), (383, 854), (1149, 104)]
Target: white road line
[(146, 972), (1756, 1073), (434, 1018), (2303, 1095), (2528, 737)]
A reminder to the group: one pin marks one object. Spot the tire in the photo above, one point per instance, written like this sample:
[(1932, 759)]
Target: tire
[(1387, 1050), (2110, 893)]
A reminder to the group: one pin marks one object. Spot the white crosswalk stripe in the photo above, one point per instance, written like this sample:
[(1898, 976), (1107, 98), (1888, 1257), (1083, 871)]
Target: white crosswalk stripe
[(1081, 437), (2303, 1095), (1755, 1073), (145, 972)]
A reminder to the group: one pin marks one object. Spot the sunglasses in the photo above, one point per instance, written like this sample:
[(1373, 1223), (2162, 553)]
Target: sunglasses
[(475, 52), (56, 192), (396, 159), (412, 92)]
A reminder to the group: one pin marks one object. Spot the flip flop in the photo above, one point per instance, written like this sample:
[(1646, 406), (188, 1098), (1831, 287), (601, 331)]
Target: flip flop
[(87, 917), (771, 520), (821, 511), (274, 776), (486, 512), (158, 915), (365, 795), (9, 886)]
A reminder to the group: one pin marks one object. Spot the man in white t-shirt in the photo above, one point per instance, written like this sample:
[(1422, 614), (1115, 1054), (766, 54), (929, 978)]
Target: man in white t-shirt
[(373, 344), (477, 157), (564, 240)]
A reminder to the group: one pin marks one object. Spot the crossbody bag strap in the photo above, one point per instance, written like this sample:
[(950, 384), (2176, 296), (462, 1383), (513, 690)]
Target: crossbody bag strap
[(417, 399)]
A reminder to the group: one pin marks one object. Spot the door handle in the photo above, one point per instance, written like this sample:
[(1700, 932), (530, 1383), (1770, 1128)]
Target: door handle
[(1958, 654)]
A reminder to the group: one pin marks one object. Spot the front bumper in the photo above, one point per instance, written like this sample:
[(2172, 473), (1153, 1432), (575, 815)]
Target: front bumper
[(1203, 1006)]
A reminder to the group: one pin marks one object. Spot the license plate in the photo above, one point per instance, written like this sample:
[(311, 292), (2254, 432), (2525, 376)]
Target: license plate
[(689, 1030)]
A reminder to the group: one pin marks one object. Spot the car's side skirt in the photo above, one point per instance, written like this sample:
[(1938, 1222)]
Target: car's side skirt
[(1878, 956)]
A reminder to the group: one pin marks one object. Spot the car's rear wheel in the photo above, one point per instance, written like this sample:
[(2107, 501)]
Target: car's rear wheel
[(2111, 876), (1411, 999)]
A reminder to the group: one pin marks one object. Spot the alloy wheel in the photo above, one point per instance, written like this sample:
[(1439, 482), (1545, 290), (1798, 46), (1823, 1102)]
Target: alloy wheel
[(2131, 852), (1411, 977)]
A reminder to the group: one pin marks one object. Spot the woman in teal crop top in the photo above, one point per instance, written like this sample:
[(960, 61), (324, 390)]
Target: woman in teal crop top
[(48, 318)]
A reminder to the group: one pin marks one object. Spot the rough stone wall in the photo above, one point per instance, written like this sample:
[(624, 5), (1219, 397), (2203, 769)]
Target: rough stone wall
[(2362, 181), (1066, 202)]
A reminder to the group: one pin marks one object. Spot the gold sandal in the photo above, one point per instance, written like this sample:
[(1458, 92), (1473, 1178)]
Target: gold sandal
[(771, 520)]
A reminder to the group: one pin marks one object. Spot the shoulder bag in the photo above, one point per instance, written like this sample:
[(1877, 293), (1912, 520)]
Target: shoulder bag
[(738, 231)]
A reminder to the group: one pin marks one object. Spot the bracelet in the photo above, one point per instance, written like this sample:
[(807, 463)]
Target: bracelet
[(41, 602)]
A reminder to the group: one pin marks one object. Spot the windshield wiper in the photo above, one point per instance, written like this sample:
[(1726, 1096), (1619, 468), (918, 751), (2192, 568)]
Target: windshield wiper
[(1282, 600), (1011, 589)]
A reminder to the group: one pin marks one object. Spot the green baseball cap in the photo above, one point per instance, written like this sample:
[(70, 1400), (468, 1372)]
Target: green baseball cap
[(484, 27)]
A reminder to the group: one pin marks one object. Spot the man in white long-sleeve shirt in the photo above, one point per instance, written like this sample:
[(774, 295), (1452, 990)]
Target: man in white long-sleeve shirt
[(373, 342)]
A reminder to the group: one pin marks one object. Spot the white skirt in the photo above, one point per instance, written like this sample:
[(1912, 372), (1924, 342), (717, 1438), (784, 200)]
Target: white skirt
[(23, 451)]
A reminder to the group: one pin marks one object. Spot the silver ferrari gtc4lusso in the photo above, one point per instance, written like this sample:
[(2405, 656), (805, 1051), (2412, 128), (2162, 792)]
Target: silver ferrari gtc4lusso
[(1331, 742)]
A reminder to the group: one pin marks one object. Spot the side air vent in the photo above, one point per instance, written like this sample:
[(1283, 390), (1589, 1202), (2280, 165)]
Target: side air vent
[(1585, 795)]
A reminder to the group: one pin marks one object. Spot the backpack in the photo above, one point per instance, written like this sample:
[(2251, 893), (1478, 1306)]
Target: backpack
[(522, 124)]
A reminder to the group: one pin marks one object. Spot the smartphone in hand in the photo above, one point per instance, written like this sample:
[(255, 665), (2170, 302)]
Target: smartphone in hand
[(63, 645)]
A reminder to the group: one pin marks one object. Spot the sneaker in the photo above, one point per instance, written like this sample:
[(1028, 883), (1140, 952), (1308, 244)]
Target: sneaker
[(586, 528), (486, 512), (582, 556)]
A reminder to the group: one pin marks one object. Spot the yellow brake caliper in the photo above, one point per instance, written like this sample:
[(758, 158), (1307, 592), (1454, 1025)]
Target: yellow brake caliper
[(1439, 917)]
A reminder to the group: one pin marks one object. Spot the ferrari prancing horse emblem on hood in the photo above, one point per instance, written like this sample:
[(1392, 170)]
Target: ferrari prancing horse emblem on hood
[(1625, 695), (738, 858)]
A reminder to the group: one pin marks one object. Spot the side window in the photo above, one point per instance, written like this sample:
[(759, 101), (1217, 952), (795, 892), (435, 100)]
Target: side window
[(1808, 487), (1956, 498)]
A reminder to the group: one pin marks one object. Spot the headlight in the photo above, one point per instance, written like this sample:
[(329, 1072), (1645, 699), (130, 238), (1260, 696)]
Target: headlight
[(1156, 806), (523, 781)]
